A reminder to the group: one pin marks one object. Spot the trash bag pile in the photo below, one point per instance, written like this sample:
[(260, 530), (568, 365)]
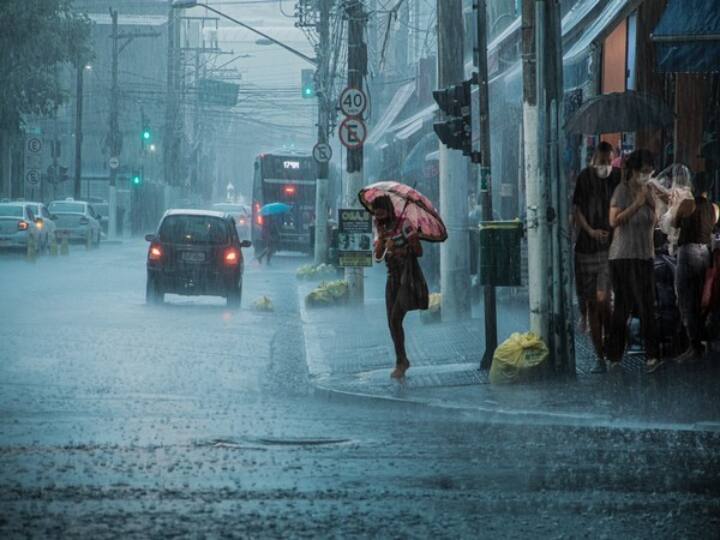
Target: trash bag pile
[(328, 294), (320, 271), (520, 358), (263, 304)]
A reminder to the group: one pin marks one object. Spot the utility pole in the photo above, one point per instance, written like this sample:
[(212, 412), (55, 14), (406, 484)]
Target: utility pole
[(484, 187), (323, 95), (454, 256), (547, 206), (171, 109), (357, 69), (80, 68), (115, 142)]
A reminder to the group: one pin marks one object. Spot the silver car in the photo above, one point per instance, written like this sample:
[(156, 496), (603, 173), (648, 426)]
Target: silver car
[(241, 215), (17, 225), (77, 220), (45, 223)]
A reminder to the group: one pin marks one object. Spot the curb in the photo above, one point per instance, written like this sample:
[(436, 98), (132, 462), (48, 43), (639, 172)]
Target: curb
[(323, 385)]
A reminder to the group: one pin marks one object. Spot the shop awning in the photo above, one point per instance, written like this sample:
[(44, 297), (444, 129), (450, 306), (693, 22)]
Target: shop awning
[(396, 105), (614, 11), (414, 123), (688, 37)]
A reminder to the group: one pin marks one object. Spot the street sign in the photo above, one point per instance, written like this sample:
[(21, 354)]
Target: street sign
[(353, 133), (221, 93), (33, 177), (355, 246), (322, 152), (34, 145), (114, 162), (353, 102)]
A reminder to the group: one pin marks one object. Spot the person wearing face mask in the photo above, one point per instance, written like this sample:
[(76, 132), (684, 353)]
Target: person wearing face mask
[(591, 200), (632, 216)]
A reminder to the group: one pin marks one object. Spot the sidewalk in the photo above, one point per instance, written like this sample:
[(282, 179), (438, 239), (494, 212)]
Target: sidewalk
[(349, 352)]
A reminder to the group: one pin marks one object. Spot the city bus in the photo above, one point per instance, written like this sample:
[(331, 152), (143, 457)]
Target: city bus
[(291, 179)]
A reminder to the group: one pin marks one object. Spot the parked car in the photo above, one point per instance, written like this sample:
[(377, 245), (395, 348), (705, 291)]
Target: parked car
[(45, 223), (195, 252), (76, 219), (242, 216), (17, 225)]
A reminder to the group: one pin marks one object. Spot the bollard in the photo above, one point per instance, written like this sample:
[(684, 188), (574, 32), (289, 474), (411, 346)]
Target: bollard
[(31, 252), (53, 246), (65, 246)]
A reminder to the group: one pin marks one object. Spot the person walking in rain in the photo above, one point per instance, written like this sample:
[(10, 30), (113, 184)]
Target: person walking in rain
[(695, 219), (631, 254), (591, 200), (270, 235), (398, 244)]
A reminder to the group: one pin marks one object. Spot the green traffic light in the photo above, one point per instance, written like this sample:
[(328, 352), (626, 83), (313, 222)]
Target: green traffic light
[(146, 134), (136, 180), (308, 91)]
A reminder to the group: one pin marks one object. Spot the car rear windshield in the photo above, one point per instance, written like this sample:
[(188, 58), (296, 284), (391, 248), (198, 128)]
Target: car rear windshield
[(205, 230), (11, 211), (67, 207)]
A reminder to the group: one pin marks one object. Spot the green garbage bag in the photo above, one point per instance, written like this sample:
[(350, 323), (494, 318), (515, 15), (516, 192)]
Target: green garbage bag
[(518, 359)]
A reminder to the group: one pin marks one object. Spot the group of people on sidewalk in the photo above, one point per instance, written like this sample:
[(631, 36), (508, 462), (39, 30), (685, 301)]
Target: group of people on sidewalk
[(616, 214)]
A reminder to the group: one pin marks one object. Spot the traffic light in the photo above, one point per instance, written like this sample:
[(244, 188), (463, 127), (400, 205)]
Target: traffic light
[(308, 83), (455, 131), (146, 134), (136, 179)]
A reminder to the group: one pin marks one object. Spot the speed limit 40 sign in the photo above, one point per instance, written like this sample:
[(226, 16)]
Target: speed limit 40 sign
[(353, 102)]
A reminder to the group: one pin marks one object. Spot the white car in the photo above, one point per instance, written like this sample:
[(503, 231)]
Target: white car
[(17, 225), (241, 214), (77, 220), (45, 223)]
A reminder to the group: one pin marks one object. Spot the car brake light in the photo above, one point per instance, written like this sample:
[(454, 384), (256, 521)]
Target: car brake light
[(242, 221), (259, 219), (155, 253), (22, 225), (290, 190), (231, 256)]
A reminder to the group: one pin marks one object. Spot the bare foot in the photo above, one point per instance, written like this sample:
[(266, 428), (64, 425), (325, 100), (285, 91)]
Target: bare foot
[(400, 369)]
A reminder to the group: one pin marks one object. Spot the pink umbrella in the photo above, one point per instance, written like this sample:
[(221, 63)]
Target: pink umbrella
[(410, 205)]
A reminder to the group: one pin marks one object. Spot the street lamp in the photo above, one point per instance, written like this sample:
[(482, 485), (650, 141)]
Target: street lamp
[(186, 4)]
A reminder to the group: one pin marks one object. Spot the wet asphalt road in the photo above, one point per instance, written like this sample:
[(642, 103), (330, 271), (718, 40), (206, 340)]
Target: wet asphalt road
[(122, 420)]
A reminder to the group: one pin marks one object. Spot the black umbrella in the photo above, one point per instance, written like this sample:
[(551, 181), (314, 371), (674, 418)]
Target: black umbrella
[(618, 112)]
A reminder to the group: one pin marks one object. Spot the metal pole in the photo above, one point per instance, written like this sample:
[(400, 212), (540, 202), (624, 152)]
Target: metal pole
[(169, 154), (536, 205), (454, 252), (78, 128), (484, 187), (357, 69), (321, 192), (114, 130)]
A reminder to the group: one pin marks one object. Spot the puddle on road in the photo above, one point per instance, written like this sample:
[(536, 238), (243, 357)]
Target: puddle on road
[(263, 443)]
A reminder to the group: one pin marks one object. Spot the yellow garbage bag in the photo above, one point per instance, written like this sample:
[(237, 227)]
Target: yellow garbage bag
[(263, 304), (517, 358)]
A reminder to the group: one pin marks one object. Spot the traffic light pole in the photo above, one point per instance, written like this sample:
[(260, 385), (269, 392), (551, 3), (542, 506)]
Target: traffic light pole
[(114, 129), (454, 256), (323, 95), (484, 179), (78, 128), (357, 69)]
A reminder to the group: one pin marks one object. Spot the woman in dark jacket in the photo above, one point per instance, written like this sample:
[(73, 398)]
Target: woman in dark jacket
[(398, 244)]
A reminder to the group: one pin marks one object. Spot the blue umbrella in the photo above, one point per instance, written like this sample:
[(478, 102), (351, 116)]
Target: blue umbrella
[(274, 209)]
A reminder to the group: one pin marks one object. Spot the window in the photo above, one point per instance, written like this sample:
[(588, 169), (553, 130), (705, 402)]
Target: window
[(67, 207), (11, 211), (201, 230)]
